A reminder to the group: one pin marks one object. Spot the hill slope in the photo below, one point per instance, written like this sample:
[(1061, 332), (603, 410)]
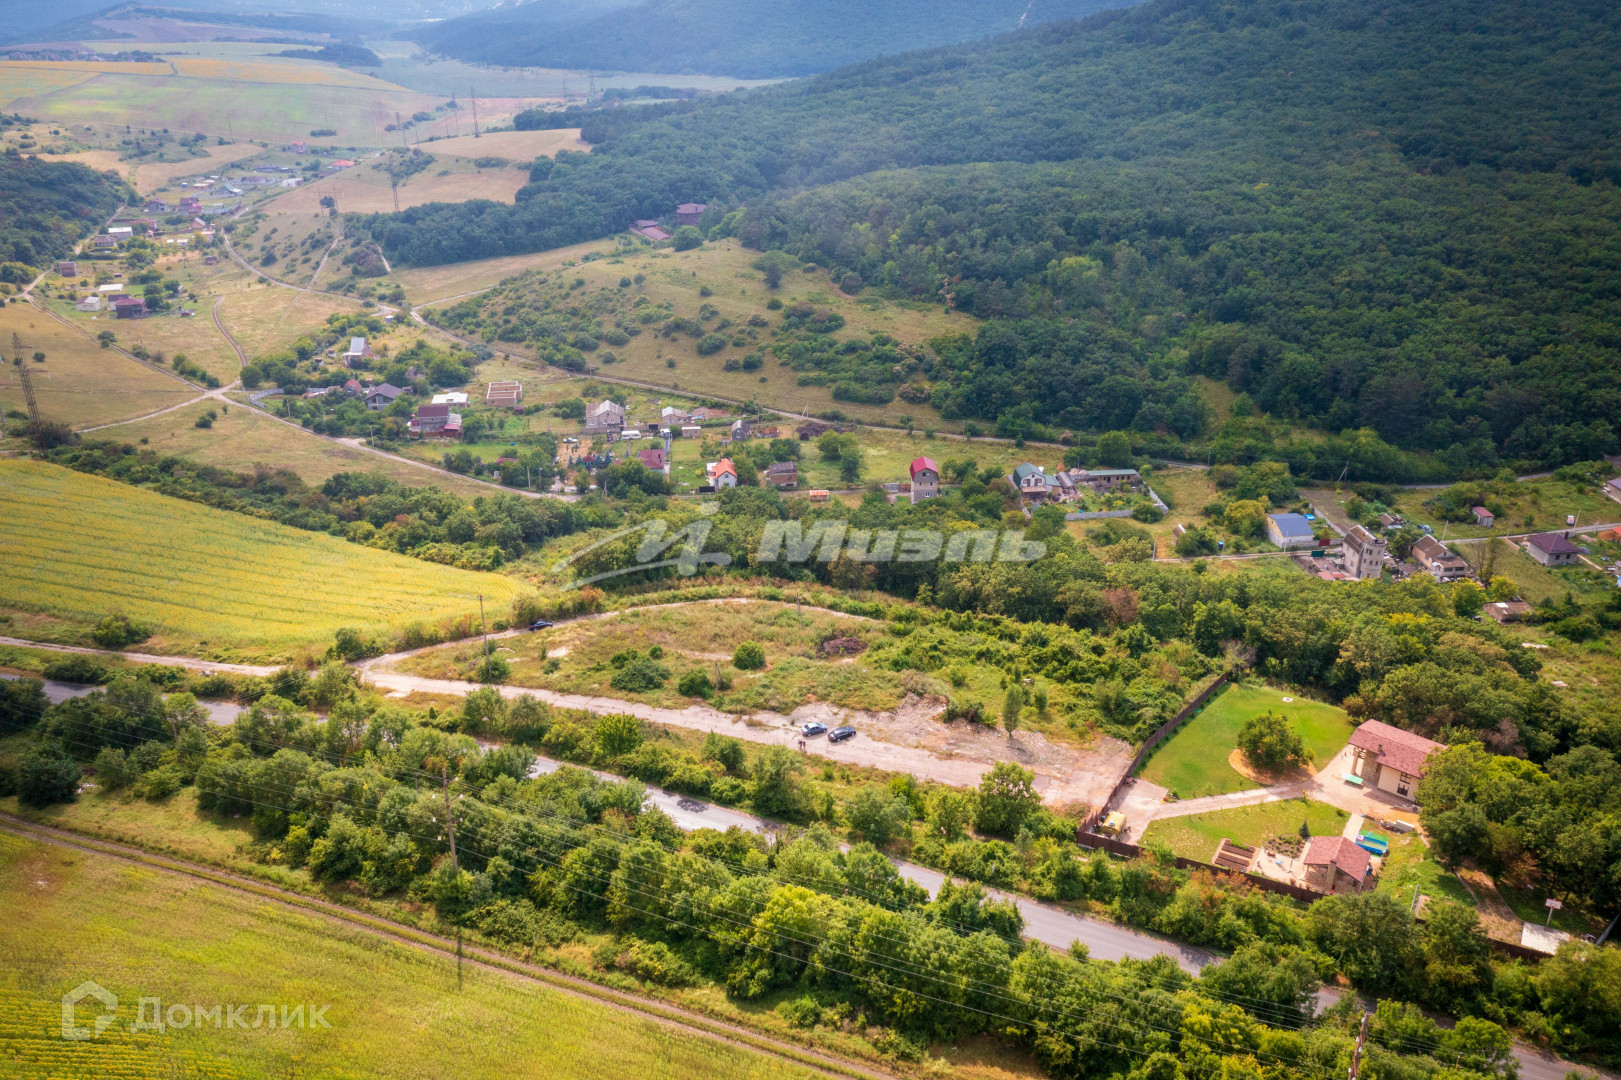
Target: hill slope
[(1393, 214), (47, 206), (744, 38)]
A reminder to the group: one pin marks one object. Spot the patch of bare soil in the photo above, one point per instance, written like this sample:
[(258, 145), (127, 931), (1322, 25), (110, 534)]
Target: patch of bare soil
[(1240, 764), (1065, 775), (1496, 917)]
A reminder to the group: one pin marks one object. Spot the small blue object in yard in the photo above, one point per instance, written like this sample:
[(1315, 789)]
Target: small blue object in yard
[(1311, 517)]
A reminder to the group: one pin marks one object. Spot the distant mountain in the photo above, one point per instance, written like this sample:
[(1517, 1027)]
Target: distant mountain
[(751, 39)]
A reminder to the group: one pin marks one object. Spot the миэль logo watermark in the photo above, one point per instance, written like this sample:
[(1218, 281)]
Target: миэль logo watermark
[(790, 542)]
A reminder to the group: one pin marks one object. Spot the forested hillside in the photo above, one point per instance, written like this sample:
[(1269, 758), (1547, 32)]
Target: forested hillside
[(1396, 215), (744, 38), (46, 207)]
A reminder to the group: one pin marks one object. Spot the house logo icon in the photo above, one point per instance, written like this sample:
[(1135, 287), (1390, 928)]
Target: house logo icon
[(70, 1027)]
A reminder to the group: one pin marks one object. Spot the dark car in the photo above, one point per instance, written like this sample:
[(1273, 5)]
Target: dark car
[(812, 728), (839, 734), (540, 624)]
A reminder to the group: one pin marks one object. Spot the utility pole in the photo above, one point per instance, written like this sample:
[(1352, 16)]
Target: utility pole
[(455, 865), (482, 631), (474, 100), (1356, 1051), (394, 185)]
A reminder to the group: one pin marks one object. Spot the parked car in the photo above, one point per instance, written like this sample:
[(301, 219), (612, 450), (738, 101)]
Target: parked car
[(839, 734), (540, 624), (812, 728)]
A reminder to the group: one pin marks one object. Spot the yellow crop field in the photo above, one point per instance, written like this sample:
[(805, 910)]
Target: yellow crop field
[(510, 144), (274, 71), (134, 67), (18, 83), (81, 547)]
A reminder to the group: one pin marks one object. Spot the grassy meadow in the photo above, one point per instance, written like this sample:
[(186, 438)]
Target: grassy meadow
[(736, 291), (140, 932), (1196, 836), (1193, 762), (79, 383), (209, 582)]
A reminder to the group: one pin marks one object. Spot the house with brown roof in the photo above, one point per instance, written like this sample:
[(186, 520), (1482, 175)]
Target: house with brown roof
[(67, 268), (381, 397), (690, 213), (925, 478), (607, 417), (1333, 864), (652, 458), (1441, 563), (1552, 549), (1483, 517), (1508, 611), (1390, 759), (1364, 554), (782, 474), (430, 419), (129, 307), (649, 230)]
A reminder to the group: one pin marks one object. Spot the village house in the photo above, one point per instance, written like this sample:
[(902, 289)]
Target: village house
[(103, 242), (504, 395), (1438, 561), (129, 307), (690, 213), (191, 204), (381, 397), (782, 475), (1508, 611), (721, 474), (1289, 531), (925, 478), (1390, 759), (359, 351), (672, 417), (1364, 554), (604, 418), (1390, 521), (1334, 864), (1030, 481), (648, 229), (740, 429), (89, 303), (1483, 517), (1552, 549), (430, 420), (691, 431), (211, 260), (353, 388), (156, 206), (652, 458), (450, 397), (67, 268), (819, 495), (705, 412), (1102, 481)]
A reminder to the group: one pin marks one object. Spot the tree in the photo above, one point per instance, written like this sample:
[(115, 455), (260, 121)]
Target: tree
[(1282, 978), (878, 815), (1457, 955), (850, 468), (618, 734), (1007, 798), (688, 237), (1012, 706), (1245, 517), (775, 781), (1467, 598), (949, 813), (1114, 450), (1271, 744), (695, 683), (773, 275), (1370, 935), (749, 656), (46, 775)]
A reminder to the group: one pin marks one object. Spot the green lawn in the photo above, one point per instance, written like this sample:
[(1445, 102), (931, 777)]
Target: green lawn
[(1411, 865), (74, 916), (1528, 905), (1196, 836), (1193, 762)]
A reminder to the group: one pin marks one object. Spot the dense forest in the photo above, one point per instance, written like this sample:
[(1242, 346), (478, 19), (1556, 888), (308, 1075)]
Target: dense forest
[(47, 206), (742, 38), (1399, 216)]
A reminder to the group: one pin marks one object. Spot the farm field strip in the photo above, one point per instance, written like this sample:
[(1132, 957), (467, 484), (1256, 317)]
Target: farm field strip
[(84, 547)]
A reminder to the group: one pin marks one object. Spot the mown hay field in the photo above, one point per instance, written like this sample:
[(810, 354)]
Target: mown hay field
[(81, 547), (143, 933)]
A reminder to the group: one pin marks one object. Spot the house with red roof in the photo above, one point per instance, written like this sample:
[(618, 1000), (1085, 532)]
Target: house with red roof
[(925, 478), (1333, 864), (653, 458), (1390, 759), (722, 473)]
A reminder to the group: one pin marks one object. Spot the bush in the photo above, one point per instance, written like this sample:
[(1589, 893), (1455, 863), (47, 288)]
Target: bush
[(640, 676), (688, 237), (492, 669), (77, 669), (1148, 513), (695, 684), (161, 783), (749, 657), (117, 631), (710, 344), (46, 776)]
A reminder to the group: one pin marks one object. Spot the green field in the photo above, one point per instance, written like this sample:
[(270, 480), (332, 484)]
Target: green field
[(143, 933), (1193, 762), (1196, 836), (1410, 865), (80, 547)]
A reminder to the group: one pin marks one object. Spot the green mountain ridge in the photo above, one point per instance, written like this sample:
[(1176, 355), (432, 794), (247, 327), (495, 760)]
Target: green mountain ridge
[(1391, 215)]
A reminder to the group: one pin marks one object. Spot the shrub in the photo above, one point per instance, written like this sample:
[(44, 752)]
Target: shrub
[(161, 783), (618, 734), (77, 669), (688, 237), (695, 684), (1148, 513), (492, 669), (749, 657), (117, 631), (639, 676), (1271, 744), (710, 344)]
